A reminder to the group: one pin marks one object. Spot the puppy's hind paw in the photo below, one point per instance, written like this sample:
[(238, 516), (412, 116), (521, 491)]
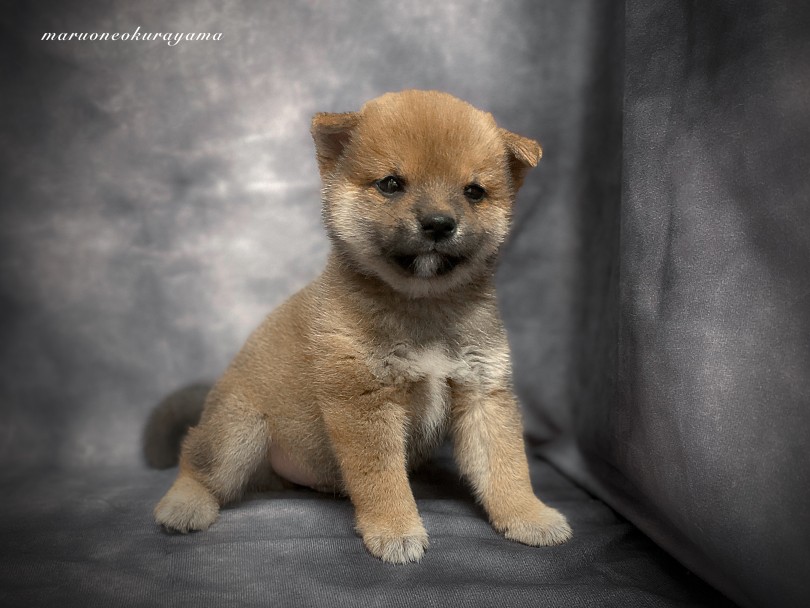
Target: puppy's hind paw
[(187, 506), (545, 528)]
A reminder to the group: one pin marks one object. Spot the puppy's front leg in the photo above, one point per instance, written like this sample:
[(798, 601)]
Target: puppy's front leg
[(367, 425), (488, 438)]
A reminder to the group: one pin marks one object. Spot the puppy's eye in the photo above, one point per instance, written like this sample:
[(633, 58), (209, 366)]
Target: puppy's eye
[(389, 185), (474, 193)]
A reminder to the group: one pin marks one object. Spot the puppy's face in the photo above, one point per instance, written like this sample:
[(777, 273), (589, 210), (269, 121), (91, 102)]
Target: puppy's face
[(419, 187)]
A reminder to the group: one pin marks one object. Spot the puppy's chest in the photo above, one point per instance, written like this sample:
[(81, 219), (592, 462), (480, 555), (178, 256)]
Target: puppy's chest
[(425, 372), (472, 366)]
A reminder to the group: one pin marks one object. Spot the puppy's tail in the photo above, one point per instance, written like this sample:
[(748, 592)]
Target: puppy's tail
[(169, 422)]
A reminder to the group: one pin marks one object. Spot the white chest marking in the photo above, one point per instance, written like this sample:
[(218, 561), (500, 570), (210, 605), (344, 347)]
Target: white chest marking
[(433, 362), (431, 405)]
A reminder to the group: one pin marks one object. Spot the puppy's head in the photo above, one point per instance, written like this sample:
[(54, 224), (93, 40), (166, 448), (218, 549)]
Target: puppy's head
[(419, 187)]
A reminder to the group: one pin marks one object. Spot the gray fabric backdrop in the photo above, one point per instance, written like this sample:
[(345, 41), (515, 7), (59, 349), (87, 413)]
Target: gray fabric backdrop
[(159, 200), (692, 403), (156, 201)]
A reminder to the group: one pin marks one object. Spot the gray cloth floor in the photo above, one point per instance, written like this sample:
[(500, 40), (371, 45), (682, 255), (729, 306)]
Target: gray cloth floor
[(85, 537)]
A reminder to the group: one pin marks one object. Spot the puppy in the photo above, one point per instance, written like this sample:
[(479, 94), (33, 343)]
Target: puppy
[(356, 379)]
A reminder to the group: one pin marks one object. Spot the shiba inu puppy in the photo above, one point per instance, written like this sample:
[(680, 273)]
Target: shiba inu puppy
[(398, 343)]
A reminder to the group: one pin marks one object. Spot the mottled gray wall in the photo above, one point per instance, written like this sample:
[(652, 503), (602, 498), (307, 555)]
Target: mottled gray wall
[(158, 200)]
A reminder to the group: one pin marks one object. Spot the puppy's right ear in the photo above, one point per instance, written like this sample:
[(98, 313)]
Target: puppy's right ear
[(332, 133)]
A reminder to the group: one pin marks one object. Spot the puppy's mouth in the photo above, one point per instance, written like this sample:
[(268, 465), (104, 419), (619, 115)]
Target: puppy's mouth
[(428, 264)]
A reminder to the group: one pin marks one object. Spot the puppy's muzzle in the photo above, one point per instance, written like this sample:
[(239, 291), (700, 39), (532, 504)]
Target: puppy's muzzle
[(432, 251)]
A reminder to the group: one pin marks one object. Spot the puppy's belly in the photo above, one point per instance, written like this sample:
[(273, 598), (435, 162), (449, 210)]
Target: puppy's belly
[(291, 470)]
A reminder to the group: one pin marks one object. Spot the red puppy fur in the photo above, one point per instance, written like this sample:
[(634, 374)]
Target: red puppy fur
[(359, 376)]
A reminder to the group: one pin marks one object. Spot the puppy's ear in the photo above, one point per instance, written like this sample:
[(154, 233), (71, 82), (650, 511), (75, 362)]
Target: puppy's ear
[(523, 154), (331, 133)]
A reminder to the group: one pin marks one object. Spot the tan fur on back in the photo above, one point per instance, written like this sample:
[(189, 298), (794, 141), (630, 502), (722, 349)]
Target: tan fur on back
[(358, 377)]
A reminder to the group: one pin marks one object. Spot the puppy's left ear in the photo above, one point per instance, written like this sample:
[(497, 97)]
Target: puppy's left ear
[(523, 154), (332, 133)]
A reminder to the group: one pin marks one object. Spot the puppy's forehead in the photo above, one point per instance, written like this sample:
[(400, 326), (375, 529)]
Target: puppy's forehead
[(426, 132)]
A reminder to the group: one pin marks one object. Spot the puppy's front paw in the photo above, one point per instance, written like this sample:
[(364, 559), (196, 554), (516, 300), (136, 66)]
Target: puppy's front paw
[(397, 549), (187, 506), (395, 544), (544, 527)]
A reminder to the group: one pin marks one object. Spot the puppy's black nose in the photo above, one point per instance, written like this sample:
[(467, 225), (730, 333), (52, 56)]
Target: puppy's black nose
[(437, 226)]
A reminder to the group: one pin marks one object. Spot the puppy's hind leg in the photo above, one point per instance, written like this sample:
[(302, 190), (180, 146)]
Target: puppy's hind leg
[(219, 458)]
